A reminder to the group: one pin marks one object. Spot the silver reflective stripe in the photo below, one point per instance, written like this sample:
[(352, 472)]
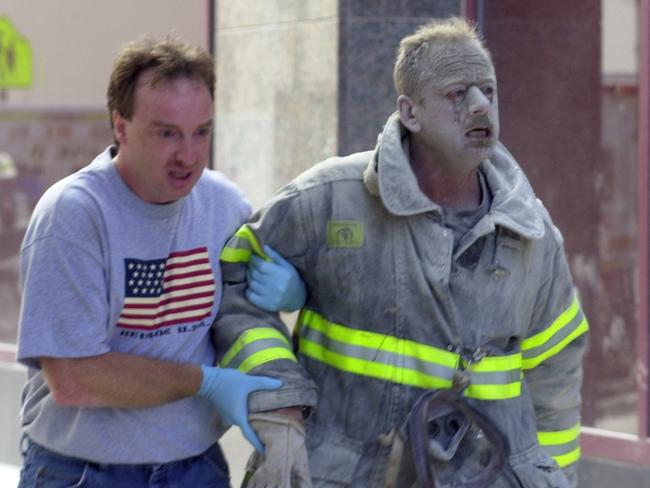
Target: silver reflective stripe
[(495, 378), (555, 450), (240, 243)]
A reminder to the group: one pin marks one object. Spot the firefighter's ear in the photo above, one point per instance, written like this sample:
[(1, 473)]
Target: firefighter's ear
[(407, 109)]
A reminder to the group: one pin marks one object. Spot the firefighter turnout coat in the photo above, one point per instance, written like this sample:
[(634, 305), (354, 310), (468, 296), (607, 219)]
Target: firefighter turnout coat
[(394, 310)]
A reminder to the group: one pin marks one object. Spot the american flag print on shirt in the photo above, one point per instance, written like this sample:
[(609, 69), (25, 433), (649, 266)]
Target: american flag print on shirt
[(165, 292)]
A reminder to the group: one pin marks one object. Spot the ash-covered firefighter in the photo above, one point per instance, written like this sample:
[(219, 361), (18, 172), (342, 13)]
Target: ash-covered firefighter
[(430, 266)]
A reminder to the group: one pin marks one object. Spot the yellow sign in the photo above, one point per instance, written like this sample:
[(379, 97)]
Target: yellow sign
[(15, 57)]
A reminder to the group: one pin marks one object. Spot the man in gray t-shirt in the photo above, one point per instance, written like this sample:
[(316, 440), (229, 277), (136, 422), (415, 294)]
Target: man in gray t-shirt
[(121, 283)]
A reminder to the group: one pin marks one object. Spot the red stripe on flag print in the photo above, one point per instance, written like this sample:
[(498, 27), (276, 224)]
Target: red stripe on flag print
[(164, 292), (157, 303)]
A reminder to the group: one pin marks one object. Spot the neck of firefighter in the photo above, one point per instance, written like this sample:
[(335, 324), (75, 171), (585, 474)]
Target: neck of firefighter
[(447, 185)]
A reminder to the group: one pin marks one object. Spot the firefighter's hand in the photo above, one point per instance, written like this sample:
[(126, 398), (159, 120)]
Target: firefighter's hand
[(228, 390), (285, 463), (274, 285)]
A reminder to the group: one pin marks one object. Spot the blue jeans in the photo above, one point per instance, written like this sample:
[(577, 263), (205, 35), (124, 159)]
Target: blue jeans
[(47, 469)]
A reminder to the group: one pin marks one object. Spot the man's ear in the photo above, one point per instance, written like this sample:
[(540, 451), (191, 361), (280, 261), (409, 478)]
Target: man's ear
[(119, 127), (407, 113)]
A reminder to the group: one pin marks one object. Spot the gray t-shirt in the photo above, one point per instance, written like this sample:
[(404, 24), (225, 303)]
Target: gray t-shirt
[(104, 271), (460, 221)]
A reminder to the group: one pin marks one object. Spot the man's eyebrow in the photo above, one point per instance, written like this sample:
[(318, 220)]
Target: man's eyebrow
[(489, 79), (463, 81), (168, 125)]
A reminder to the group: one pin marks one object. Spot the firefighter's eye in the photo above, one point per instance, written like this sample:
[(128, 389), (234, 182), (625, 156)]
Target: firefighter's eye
[(457, 94)]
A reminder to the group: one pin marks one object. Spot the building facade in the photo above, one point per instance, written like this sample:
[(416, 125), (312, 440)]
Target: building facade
[(301, 80)]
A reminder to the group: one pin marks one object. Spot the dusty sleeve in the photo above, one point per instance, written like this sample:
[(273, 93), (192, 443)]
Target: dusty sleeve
[(552, 361), (250, 339)]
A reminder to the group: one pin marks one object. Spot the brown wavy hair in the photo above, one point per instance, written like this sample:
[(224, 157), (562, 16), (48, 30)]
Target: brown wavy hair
[(166, 59)]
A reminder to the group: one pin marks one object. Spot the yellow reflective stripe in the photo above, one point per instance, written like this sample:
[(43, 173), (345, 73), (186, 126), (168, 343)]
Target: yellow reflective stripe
[(497, 363), (543, 337), (248, 337), (369, 368), (232, 255), (265, 356), (246, 233), (530, 363), (404, 361), (554, 438), (494, 392), (555, 442), (381, 342), (428, 353), (568, 458), (552, 333)]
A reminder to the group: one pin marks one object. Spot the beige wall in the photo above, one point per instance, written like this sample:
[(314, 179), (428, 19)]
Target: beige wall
[(620, 37), (74, 42), (12, 378), (276, 110), (276, 90)]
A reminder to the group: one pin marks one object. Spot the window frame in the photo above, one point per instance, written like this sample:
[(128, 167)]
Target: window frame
[(600, 443), (635, 448)]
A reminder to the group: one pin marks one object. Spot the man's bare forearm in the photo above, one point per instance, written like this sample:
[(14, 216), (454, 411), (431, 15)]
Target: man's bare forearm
[(119, 380)]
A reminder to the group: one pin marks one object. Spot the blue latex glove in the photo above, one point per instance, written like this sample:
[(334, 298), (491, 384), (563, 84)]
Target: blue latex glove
[(228, 390), (274, 285)]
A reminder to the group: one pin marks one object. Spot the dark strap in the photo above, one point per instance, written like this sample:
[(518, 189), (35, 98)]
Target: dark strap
[(433, 404)]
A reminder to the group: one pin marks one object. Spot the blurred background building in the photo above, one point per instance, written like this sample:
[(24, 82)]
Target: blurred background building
[(301, 80)]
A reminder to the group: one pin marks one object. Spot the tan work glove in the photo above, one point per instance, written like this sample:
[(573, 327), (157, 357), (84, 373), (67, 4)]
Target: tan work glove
[(285, 464)]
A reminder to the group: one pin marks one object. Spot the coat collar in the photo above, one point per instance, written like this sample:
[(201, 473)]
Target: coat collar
[(389, 176)]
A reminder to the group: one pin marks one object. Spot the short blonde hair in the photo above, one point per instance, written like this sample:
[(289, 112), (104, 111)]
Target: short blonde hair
[(413, 66)]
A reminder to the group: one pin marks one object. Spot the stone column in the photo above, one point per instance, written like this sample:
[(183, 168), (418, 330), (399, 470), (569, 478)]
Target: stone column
[(302, 80), (369, 35), (276, 90)]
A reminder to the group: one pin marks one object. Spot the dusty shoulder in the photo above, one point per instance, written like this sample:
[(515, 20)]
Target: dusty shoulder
[(335, 169)]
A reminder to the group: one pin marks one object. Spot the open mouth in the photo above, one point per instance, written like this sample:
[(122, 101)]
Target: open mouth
[(180, 179), (479, 133)]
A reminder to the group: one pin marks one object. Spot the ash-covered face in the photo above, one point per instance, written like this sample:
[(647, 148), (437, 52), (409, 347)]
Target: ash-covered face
[(457, 112)]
